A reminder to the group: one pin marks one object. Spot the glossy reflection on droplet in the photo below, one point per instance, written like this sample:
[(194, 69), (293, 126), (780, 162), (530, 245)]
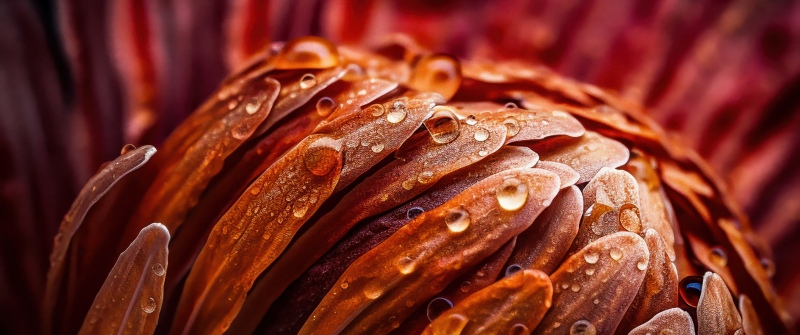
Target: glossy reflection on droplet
[(413, 212), (690, 289), (471, 120), (442, 125), (406, 265), (582, 327), (512, 269), (615, 253), (512, 126), (457, 219), (481, 135), (127, 148), (397, 113), (512, 194), (158, 269), (519, 329), (630, 218), (307, 81), (718, 257), (325, 106), (591, 257), (322, 156), (437, 73), (309, 52), (437, 306), (149, 305)]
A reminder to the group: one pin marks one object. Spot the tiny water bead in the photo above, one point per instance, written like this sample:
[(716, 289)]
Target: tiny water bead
[(127, 148), (437, 306), (373, 291), (512, 269), (442, 125), (158, 269), (322, 156), (642, 264), (591, 257), (377, 147), (375, 110), (471, 120), (718, 257), (457, 219), (512, 126), (309, 52), (582, 327), (406, 265), (512, 194), (615, 253), (511, 105), (481, 135), (630, 218), (413, 212), (519, 329), (149, 305), (397, 113), (425, 177), (307, 81), (690, 289), (325, 106)]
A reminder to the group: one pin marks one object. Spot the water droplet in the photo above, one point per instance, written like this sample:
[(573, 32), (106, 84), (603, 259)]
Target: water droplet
[(642, 264), (512, 269), (241, 131), (442, 125), (127, 148), (718, 257), (615, 253), (397, 113), (769, 266), (512, 194), (252, 106), (471, 120), (437, 73), (414, 212), (591, 257), (232, 104), (575, 288), (149, 305), (519, 329), (596, 301), (158, 269), (309, 52), (344, 286), (409, 184), (325, 106), (425, 177), (512, 126), (483, 153), (582, 327), (300, 208), (481, 135), (589, 271), (457, 219), (466, 286), (630, 218), (377, 147), (594, 215), (307, 81), (322, 156), (373, 291), (437, 306), (406, 265), (690, 289), (375, 110)]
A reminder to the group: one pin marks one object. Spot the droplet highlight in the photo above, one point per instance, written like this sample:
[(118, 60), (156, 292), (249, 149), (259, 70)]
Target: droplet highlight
[(437, 306), (397, 113), (309, 52), (322, 156), (615, 253), (149, 305), (591, 257), (325, 106), (158, 269), (512, 194), (718, 257), (457, 219), (442, 125), (690, 289), (582, 327), (413, 212), (481, 135), (630, 218), (307, 81)]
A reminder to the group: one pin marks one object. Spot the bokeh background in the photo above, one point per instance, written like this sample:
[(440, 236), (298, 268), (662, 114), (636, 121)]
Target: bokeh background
[(79, 79)]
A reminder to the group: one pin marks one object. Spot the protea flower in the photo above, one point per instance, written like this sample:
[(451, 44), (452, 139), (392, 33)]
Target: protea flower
[(326, 189)]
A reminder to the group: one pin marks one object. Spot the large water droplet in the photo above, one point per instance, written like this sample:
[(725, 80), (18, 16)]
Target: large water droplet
[(594, 215), (512, 269), (414, 212), (690, 289), (158, 269), (630, 218), (519, 329), (325, 106), (591, 257), (300, 208), (309, 52), (377, 147), (149, 305), (322, 156), (307, 81), (397, 113), (471, 120), (437, 73), (127, 148), (512, 194), (481, 135), (406, 265), (443, 125), (512, 126), (437, 306), (718, 257), (615, 253), (457, 219), (582, 327)]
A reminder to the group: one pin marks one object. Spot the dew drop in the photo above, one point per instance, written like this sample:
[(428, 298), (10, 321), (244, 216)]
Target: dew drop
[(471, 120), (630, 218), (397, 113), (149, 305), (409, 184), (457, 219), (519, 329), (718, 257), (481, 135), (158, 269), (375, 110), (322, 156), (512, 194), (309, 52), (307, 81), (252, 106), (127, 148), (582, 327), (589, 271), (232, 104), (442, 125), (591, 257), (690, 289), (593, 217), (344, 286), (437, 306), (512, 126), (575, 288), (325, 106), (373, 291), (377, 147), (642, 264), (413, 212), (425, 177), (240, 131), (300, 208), (437, 73), (769, 266), (466, 286), (483, 153), (511, 105), (512, 269), (615, 253), (406, 265)]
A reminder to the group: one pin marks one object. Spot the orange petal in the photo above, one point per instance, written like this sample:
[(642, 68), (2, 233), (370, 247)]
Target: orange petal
[(130, 300), (716, 312), (750, 322), (567, 175), (670, 321), (587, 154)]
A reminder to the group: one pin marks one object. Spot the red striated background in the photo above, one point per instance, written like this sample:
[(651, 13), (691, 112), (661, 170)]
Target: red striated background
[(79, 79)]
